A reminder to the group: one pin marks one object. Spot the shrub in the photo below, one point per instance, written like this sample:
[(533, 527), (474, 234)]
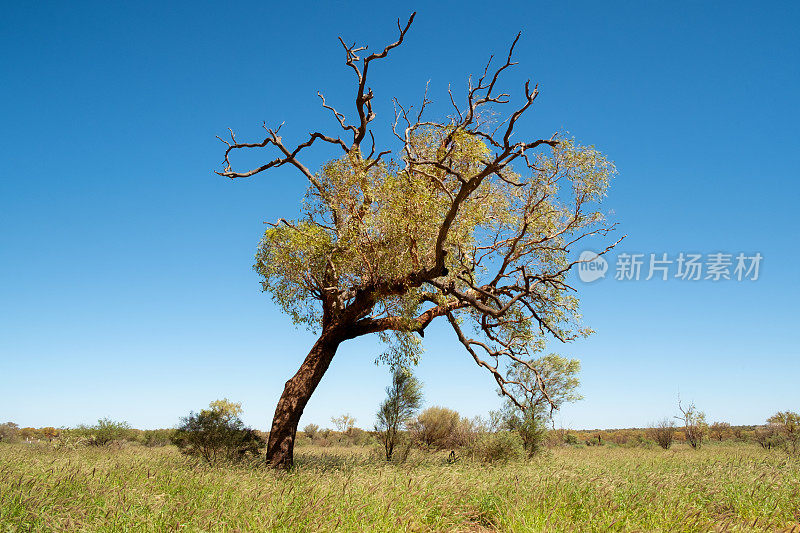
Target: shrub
[(105, 432), (403, 398), (358, 437), (500, 447), (153, 438), (216, 435), (530, 426), (343, 422), (311, 431), (767, 437), (663, 433), (438, 428), (787, 426), (719, 430), (694, 424), (9, 432)]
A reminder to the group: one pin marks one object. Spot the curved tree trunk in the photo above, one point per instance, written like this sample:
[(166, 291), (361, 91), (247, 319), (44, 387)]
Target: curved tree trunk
[(296, 393)]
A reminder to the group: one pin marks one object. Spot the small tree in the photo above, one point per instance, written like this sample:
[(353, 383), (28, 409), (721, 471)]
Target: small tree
[(787, 426), (9, 432), (663, 433), (311, 431), (694, 424), (766, 436), (543, 385), (343, 423), (719, 430), (403, 398), (106, 432), (216, 434)]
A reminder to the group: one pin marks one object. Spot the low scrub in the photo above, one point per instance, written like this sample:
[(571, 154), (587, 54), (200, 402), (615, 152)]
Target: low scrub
[(500, 447), (216, 436)]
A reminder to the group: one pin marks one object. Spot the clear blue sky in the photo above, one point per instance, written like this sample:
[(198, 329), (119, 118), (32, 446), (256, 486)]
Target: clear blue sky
[(125, 280)]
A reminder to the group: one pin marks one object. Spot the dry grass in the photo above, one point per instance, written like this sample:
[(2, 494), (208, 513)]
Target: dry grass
[(719, 488)]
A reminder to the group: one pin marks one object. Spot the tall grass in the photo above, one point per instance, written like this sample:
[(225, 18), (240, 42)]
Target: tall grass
[(718, 488)]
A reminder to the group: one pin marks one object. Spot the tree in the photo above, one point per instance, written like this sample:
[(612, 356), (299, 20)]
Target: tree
[(311, 431), (49, 433), (403, 398), (226, 408), (547, 384), (216, 433), (442, 224), (106, 432), (9, 431), (343, 423), (694, 424), (663, 433), (767, 436), (787, 426)]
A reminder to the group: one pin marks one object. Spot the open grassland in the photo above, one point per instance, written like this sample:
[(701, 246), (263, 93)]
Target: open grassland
[(726, 487)]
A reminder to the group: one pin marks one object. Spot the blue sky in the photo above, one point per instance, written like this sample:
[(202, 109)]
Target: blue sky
[(125, 277)]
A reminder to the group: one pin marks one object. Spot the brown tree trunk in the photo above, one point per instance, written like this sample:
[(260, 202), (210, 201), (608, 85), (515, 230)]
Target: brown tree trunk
[(296, 393)]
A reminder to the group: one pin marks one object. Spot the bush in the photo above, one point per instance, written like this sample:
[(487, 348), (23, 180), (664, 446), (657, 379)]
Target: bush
[(569, 438), (767, 437), (9, 432), (153, 438), (438, 428), (105, 432), (403, 398), (530, 426), (359, 437), (216, 436), (787, 427), (663, 433), (500, 447), (311, 431), (719, 430)]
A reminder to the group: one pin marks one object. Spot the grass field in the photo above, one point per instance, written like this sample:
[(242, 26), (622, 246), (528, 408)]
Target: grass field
[(725, 487)]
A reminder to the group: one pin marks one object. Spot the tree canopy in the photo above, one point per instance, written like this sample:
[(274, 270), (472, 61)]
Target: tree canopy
[(459, 219)]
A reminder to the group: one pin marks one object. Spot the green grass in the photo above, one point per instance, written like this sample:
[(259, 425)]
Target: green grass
[(726, 487)]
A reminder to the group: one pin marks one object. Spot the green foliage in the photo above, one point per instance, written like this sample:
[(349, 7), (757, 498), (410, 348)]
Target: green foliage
[(570, 438), (9, 432), (786, 425), (311, 430), (216, 434), (543, 385), (500, 447), (529, 426), (365, 224), (403, 398), (438, 428), (226, 408), (106, 432), (157, 437)]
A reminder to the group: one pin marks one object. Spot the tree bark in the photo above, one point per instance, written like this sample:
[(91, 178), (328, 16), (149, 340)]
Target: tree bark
[(296, 393)]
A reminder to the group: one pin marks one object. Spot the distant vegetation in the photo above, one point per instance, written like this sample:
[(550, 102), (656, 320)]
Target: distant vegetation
[(724, 486), (416, 470)]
